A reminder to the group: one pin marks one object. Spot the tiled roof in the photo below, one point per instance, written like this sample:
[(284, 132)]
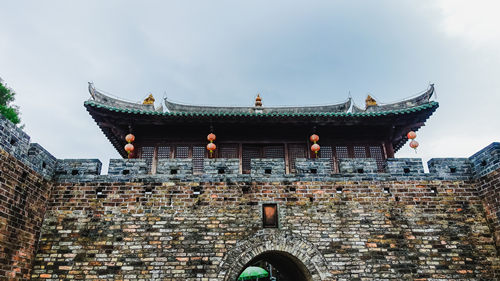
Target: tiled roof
[(429, 105)]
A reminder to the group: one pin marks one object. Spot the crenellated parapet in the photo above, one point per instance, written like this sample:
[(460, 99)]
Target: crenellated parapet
[(262, 170), (81, 169), (486, 160), (357, 166), (267, 168), (127, 167), (450, 168), (175, 167), (16, 142)]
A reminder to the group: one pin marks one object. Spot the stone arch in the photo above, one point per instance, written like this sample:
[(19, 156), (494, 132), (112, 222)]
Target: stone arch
[(272, 241)]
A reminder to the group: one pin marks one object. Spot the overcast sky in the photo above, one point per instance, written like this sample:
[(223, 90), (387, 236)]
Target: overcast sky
[(225, 52)]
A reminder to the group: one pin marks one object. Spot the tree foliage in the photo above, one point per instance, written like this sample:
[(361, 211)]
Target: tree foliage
[(8, 110)]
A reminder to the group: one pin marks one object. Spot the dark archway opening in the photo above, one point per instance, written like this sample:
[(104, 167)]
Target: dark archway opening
[(281, 265)]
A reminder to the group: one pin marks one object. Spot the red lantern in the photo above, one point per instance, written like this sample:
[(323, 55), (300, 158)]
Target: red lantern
[(211, 147), (314, 138), (414, 144), (129, 148), (315, 147), (411, 135), (211, 137), (130, 138)]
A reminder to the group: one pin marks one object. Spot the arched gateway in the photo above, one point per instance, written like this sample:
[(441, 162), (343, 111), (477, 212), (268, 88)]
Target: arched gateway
[(292, 255)]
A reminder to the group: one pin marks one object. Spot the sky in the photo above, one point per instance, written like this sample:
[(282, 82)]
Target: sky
[(225, 52)]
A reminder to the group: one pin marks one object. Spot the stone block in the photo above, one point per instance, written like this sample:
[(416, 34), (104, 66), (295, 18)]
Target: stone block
[(450, 168), (77, 167), (486, 160), (313, 167), (221, 166), (175, 167), (357, 166), (268, 167), (41, 160), (13, 140), (404, 166), (127, 167)]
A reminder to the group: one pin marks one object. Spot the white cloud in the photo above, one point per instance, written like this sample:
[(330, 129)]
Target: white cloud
[(477, 21)]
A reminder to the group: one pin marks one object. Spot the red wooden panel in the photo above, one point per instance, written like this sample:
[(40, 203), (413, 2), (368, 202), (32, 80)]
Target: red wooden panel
[(270, 215)]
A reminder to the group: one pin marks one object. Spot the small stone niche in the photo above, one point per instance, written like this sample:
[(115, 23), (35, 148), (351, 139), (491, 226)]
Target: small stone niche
[(270, 215)]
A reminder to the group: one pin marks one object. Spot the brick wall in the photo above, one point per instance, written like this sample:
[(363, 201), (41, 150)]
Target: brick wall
[(402, 230), (23, 200), (489, 190)]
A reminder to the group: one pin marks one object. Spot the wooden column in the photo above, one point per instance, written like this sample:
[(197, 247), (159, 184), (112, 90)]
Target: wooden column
[(389, 150)]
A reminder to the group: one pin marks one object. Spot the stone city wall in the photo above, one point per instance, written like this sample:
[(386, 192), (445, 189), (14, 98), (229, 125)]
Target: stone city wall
[(23, 201), (402, 224), (401, 230)]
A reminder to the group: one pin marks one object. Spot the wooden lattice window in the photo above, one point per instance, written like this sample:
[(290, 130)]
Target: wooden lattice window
[(249, 152), (274, 151), (198, 156), (228, 151), (295, 151), (182, 152), (327, 152), (163, 152), (359, 152), (341, 152), (147, 153), (376, 153)]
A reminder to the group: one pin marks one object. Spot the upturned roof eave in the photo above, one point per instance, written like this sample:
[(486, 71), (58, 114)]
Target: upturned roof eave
[(97, 105)]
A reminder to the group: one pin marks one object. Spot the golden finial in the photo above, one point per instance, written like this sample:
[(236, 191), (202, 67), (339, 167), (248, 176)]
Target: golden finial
[(149, 100), (370, 101), (258, 101)]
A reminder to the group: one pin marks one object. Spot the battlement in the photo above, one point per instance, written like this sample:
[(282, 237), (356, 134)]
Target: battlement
[(263, 170), (486, 160)]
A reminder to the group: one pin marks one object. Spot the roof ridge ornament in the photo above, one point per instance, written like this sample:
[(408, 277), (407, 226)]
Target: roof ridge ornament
[(370, 101), (149, 100), (258, 101)]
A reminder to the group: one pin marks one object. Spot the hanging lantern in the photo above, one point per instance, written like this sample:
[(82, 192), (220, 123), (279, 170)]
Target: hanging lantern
[(211, 147), (211, 137), (129, 148), (130, 138), (314, 138), (411, 135), (315, 148), (414, 144)]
